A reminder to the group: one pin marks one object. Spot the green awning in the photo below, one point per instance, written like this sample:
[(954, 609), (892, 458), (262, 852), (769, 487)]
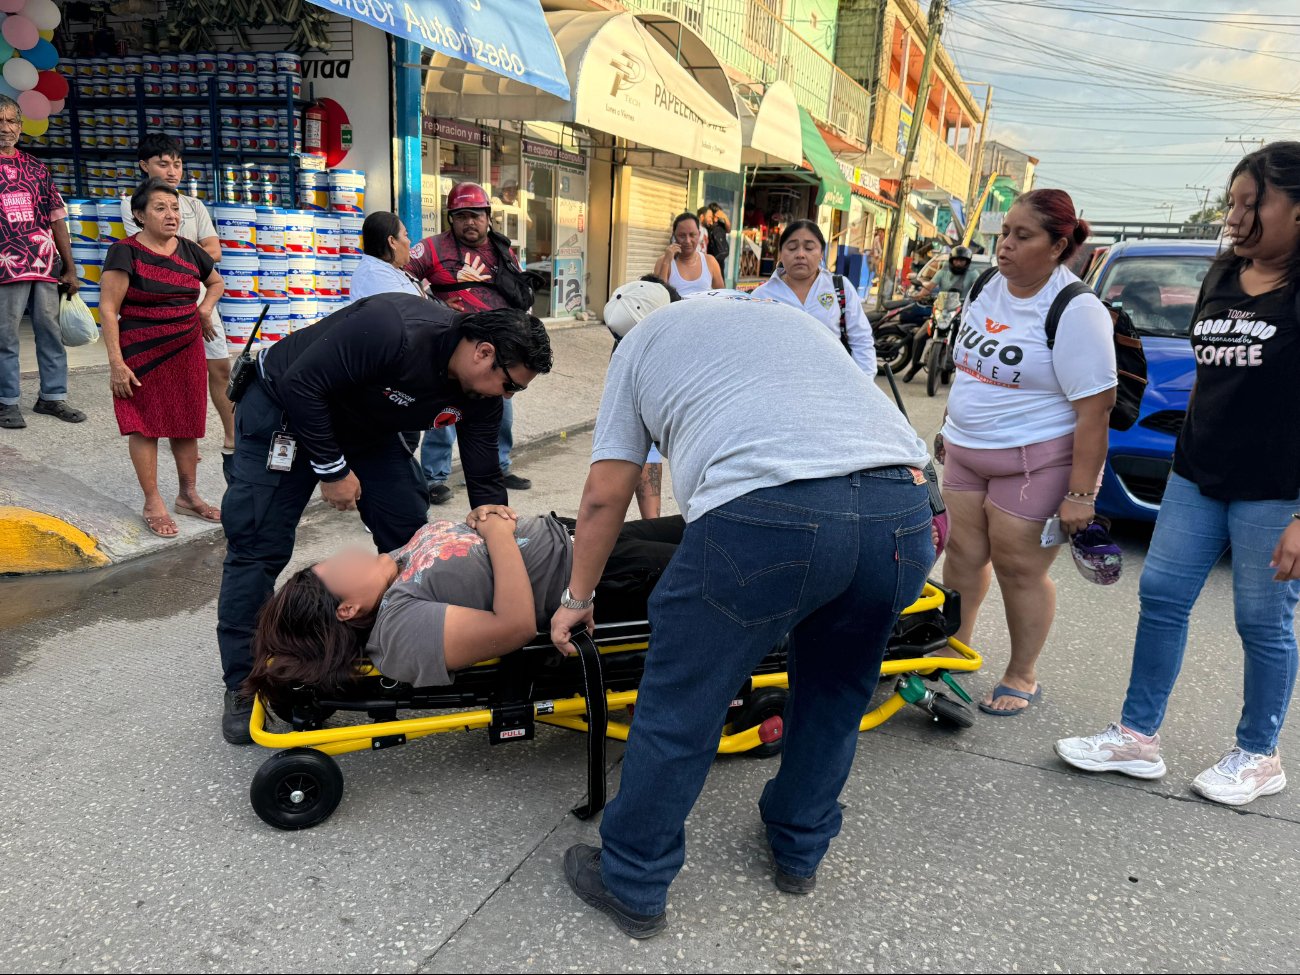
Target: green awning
[(835, 190), (1005, 192)]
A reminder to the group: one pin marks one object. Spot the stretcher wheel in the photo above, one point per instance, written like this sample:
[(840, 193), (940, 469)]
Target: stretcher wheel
[(764, 710), (297, 788), (952, 713)]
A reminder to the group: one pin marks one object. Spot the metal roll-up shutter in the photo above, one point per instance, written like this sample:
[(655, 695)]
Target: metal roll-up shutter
[(655, 199)]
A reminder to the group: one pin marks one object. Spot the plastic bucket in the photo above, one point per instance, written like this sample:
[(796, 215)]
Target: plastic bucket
[(276, 325), (239, 271), (83, 223), (236, 227), (239, 315), (300, 276), (90, 295), (299, 232), (328, 231), (270, 230), (350, 233), (302, 312), (108, 214), (272, 274), (313, 191), (347, 190), (89, 259)]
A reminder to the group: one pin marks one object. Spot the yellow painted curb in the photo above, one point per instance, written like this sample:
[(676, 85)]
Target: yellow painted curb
[(34, 542)]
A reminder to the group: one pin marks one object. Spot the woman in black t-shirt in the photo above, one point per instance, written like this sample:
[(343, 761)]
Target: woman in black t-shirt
[(1235, 485)]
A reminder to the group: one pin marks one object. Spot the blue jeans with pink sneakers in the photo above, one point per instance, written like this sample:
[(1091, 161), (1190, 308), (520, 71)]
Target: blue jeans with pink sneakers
[(1192, 534)]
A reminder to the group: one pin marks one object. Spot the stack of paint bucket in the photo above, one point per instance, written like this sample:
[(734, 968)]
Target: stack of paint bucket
[(273, 269), (241, 305), (329, 266), (349, 246), (300, 280), (87, 254)]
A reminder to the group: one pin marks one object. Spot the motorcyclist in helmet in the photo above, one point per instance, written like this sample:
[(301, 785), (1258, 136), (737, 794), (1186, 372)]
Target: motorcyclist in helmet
[(955, 276)]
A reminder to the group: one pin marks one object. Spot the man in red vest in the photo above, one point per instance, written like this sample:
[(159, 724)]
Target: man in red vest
[(462, 267)]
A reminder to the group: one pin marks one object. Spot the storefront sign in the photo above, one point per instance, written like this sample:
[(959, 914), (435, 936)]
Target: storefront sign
[(507, 39), (904, 128), (569, 286), (860, 177), (454, 131), (544, 150)]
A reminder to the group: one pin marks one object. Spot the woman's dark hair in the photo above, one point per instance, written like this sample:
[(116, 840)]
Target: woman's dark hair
[(673, 293), (796, 225), (518, 337), (140, 198), (376, 230), (1055, 211), (300, 639), (686, 216), (1274, 167)]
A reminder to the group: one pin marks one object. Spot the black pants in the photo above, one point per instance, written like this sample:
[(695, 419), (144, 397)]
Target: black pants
[(639, 557), (261, 509)]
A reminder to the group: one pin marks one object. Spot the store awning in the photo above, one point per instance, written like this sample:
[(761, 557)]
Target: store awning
[(624, 81), (834, 190), (506, 37), (773, 134)]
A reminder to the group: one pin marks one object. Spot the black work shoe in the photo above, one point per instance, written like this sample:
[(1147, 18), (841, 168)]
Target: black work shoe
[(439, 493), (790, 884), (11, 417), (234, 722), (582, 871), (911, 374), (516, 483), (60, 409)]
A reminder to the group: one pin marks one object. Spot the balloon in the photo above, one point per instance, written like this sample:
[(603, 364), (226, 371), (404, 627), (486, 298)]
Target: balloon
[(20, 74), (43, 13), (47, 35), (56, 106), (20, 32), (34, 105), (52, 85), (35, 127), (8, 90), (6, 50), (42, 55), (12, 6)]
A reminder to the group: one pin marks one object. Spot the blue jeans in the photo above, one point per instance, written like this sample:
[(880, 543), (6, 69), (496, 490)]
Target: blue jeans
[(41, 300), (1191, 535), (831, 562), (435, 452)]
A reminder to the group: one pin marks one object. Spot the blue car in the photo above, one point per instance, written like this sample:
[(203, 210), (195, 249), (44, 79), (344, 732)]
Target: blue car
[(1157, 283)]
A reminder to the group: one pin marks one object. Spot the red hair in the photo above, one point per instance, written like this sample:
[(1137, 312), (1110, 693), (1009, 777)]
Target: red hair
[(1055, 211)]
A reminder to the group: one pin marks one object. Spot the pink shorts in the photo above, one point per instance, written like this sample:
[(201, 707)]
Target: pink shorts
[(1027, 482)]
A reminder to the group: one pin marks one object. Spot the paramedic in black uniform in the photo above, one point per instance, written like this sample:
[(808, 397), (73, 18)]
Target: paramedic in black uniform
[(338, 395)]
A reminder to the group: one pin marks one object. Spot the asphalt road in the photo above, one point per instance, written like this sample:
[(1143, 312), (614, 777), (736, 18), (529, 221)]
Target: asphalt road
[(129, 842)]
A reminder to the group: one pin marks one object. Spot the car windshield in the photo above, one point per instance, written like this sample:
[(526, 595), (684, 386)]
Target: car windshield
[(1158, 292)]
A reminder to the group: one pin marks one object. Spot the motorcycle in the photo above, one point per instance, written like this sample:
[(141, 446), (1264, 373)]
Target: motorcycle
[(894, 327), (943, 325)]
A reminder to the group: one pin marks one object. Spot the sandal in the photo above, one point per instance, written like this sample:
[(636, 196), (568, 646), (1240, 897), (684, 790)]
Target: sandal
[(1003, 691), (203, 510), (156, 524)]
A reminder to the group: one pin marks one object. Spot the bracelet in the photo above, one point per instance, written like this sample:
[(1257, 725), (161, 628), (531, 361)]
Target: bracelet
[(1080, 494), (1087, 502)]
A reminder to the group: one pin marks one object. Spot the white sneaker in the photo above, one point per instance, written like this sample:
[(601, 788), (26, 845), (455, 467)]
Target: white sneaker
[(1240, 777), (1114, 750)]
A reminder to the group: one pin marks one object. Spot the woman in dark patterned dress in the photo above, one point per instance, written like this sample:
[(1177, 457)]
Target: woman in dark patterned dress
[(154, 330)]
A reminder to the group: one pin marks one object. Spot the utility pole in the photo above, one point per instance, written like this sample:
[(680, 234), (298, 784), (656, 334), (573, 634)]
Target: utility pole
[(976, 169), (1243, 142), (933, 29), (1205, 201)]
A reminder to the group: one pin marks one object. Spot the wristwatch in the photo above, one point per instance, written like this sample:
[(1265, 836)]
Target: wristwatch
[(568, 602)]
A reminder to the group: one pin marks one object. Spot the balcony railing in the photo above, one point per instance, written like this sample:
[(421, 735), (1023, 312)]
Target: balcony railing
[(750, 37), (936, 161)]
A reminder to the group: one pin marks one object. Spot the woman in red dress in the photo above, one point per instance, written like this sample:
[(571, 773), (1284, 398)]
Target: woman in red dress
[(154, 330)]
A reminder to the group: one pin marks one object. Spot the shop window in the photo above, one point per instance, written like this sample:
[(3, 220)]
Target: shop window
[(504, 179)]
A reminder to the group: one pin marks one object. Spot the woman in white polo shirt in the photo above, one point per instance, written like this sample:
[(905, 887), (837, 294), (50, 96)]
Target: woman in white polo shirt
[(801, 281), (1026, 432)]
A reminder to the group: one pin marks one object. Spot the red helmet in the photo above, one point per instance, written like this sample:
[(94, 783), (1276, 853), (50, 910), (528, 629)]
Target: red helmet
[(467, 196)]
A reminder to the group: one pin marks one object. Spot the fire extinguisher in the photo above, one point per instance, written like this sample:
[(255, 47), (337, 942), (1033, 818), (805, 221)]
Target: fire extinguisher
[(313, 129)]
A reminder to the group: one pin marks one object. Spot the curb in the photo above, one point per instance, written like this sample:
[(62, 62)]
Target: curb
[(31, 541)]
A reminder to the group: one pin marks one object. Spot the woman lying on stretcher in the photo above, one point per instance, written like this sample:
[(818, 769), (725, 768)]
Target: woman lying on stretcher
[(454, 595)]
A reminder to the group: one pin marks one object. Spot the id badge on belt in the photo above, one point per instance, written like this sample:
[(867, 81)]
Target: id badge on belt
[(283, 450)]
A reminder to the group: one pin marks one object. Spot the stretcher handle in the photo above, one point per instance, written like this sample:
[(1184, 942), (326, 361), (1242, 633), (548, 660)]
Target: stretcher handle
[(593, 686)]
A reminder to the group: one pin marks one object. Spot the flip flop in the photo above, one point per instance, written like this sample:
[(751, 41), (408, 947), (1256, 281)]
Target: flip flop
[(1003, 691), (205, 511), (156, 522)]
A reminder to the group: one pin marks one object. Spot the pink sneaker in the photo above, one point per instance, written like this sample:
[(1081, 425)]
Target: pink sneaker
[(1114, 750), (1240, 777)]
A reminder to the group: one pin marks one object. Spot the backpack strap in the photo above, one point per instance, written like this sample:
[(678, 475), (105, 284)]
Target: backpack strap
[(1059, 303), (978, 286), (838, 281)]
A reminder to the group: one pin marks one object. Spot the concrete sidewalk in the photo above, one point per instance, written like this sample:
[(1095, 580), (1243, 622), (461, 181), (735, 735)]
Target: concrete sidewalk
[(69, 498)]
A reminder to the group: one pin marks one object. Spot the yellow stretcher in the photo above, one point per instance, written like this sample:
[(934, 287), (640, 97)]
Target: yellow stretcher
[(302, 785)]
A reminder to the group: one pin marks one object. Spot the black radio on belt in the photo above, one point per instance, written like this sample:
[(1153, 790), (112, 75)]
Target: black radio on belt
[(244, 368)]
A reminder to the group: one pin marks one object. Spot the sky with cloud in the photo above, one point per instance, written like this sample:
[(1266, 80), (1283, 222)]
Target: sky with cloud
[(1126, 105)]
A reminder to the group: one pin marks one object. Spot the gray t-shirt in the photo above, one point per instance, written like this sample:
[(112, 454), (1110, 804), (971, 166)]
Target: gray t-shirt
[(447, 564), (742, 394)]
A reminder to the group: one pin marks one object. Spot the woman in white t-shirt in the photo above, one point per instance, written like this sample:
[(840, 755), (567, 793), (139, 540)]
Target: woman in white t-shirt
[(801, 281), (1026, 432)]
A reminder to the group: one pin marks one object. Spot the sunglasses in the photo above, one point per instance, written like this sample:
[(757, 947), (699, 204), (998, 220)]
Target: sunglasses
[(511, 386)]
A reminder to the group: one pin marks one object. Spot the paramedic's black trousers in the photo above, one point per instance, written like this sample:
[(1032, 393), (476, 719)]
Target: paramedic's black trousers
[(260, 513)]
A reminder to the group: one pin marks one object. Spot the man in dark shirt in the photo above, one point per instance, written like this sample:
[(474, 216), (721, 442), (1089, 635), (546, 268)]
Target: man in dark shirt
[(335, 398)]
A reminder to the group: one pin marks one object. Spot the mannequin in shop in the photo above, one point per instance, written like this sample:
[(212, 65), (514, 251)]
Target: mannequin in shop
[(683, 265)]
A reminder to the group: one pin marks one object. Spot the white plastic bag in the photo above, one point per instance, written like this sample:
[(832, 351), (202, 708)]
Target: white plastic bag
[(76, 323)]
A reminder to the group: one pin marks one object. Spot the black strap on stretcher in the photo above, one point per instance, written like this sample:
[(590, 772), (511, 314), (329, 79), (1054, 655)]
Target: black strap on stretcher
[(593, 689)]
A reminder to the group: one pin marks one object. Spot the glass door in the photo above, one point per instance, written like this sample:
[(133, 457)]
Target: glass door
[(539, 231)]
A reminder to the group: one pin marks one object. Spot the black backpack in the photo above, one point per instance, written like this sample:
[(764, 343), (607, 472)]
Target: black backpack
[(719, 244), (1130, 360)]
